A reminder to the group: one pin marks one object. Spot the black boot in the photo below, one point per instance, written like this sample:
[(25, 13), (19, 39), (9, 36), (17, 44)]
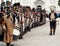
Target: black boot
[(8, 44), (50, 33), (29, 29), (54, 32), (12, 45), (21, 37)]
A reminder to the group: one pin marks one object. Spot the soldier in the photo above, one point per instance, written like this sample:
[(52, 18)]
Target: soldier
[(1, 23), (38, 18), (20, 20), (34, 17), (8, 29), (30, 19), (25, 21), (14, 16), (44, 15), (52, 17)]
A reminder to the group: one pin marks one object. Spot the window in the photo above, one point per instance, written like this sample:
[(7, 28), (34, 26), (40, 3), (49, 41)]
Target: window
[(52, 1), (26, 1)]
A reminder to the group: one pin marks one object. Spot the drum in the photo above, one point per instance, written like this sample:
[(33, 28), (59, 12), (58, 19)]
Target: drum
[(16, 34)]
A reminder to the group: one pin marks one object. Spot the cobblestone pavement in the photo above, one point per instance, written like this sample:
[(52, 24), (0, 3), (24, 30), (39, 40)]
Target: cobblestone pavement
[(39, 36)]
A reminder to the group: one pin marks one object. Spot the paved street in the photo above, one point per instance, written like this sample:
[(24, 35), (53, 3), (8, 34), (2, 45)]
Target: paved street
[(39, 37)]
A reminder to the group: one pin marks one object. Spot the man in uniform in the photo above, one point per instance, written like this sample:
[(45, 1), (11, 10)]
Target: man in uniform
[(52, 17), (8, 29)]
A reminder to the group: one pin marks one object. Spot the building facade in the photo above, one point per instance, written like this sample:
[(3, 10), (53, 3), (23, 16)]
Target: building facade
[(46, 4), (23, 2), (39, 2), (49, 3)]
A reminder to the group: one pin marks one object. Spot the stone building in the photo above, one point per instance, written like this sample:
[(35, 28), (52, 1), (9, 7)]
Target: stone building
[(46, 4), (39, 2)]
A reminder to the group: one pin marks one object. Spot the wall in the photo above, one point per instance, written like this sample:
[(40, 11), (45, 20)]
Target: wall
[(25, 2), (48, 3)]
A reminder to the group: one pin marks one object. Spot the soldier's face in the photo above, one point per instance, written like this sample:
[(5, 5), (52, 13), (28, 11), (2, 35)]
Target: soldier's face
[(52, 11)]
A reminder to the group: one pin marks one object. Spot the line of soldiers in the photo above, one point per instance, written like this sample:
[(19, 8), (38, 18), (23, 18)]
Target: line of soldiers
[(19, 16)]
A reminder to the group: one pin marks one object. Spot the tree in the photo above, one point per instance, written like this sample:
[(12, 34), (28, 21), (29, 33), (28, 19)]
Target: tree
[(59, 2)]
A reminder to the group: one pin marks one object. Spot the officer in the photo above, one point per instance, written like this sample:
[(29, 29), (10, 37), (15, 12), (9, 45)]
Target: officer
[(52, 17)]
